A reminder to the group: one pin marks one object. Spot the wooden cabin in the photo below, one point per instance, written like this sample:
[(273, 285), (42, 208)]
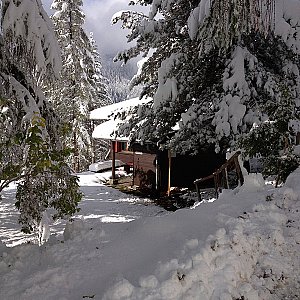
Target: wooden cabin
[(152, 168), (163, 170)]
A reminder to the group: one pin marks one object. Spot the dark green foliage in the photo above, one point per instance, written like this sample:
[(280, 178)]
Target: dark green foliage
[(274, 140), (269, 143)]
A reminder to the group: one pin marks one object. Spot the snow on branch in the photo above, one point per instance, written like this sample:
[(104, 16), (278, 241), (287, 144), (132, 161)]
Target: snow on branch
[(229, 20), (28, 21)]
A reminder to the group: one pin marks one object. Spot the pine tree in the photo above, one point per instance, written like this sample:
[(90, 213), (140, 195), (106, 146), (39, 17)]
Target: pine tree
[(99, 97), (119, 80), (81, 87), (30, 149), (168, 35), (99, 83), (218, 68)]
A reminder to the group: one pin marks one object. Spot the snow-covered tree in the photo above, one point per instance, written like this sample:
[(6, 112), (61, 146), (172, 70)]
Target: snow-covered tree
[(260, 93), (218, 67), (99, 83), (119, 78), (81, 87), (99, 97), (30, 149), (167, 37)]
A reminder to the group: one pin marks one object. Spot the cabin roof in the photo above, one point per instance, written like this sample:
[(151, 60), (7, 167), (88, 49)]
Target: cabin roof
[(105, 112), (106, 131)]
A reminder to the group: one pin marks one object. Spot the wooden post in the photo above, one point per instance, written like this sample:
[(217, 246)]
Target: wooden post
[(216, 184), (169, 175), (198, 192), (92, 127), (133, 167), (113, 163), (226, 178), (238, 170), (157, 177)]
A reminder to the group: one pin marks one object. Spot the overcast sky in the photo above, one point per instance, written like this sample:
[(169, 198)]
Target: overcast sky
[(110, 38)]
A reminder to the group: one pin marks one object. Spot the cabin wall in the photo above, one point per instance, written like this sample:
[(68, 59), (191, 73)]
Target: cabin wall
[(126, 157), (144, 170)]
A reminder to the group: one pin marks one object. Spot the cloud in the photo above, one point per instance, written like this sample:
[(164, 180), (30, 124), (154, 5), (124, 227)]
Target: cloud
[(110, 38)]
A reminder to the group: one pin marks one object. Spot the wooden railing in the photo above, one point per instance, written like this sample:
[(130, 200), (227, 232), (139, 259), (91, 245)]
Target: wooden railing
[(220, 176)]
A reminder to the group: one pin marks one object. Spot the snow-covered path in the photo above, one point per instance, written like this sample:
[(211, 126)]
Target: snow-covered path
[(239, 247), (100, 204)]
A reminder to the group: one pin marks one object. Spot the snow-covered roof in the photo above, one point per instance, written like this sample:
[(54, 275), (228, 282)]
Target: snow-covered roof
[(106, 131), (105, 112)]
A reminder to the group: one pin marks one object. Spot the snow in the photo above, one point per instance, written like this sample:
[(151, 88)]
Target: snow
[(104, 165), (197, 17), (167, 88), (106, 112), (107, 130), (245, 245)]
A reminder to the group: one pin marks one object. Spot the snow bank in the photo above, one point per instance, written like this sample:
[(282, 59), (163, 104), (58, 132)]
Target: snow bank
[(245, 245), (249, 258)]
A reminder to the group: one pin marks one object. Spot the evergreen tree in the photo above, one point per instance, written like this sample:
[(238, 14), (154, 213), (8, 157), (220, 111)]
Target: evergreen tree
[(30, 149), (119, 80), (218, 68), (81, 87), (99, 97), (168, 35), (99, 83)]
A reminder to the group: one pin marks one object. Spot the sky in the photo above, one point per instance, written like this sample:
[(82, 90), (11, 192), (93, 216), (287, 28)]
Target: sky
[(110, 38)]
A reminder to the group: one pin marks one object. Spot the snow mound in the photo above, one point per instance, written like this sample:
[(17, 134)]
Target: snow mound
[(293, 180), (253, 183), (250, 258), (244, 245)]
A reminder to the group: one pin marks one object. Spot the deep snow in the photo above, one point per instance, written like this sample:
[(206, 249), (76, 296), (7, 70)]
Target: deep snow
[(245, 245)]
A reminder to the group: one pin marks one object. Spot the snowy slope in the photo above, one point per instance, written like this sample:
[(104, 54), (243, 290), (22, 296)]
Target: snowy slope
[(238, 247)]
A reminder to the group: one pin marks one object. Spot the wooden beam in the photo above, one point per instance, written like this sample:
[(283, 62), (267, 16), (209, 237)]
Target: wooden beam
[(113, 164), (239, 170), (169, 174)]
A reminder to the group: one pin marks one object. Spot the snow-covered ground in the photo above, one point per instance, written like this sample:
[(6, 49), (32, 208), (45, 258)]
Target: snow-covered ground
[(245, 245)]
